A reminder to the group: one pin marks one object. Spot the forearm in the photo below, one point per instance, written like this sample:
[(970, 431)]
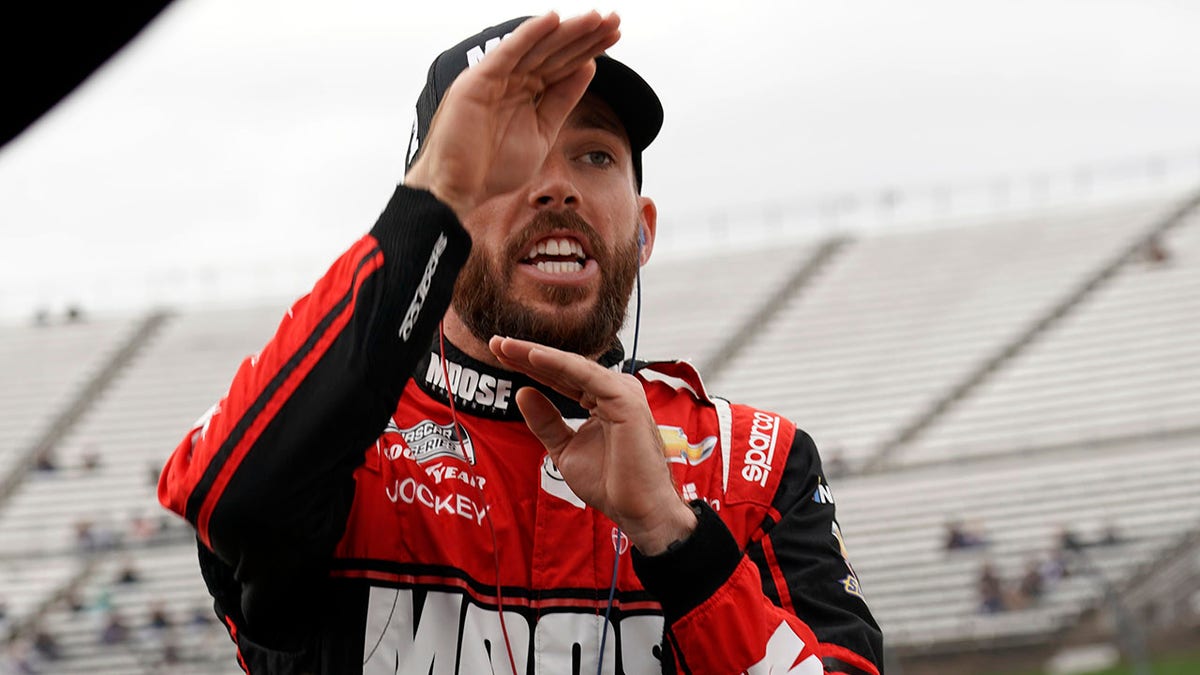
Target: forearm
[(707, 587), (281, 446), (783, 600)]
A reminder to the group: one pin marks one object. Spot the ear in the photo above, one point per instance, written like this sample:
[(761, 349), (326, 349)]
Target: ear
[(648, 222)]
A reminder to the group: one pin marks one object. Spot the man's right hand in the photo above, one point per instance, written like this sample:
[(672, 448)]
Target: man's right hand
[(496, 123)]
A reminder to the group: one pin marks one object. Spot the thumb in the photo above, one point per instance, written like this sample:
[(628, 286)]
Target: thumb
[(544, 420)]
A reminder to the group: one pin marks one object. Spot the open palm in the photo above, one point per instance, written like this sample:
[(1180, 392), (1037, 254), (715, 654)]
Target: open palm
[(497, 122)]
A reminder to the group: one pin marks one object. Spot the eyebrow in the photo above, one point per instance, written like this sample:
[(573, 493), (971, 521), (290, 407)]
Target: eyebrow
[(593, 119)]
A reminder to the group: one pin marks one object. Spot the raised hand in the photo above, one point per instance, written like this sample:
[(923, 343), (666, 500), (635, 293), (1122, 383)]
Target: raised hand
[(614, 462), (496, 123)]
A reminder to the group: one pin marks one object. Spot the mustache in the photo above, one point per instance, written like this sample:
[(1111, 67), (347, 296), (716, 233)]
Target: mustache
[(546, 222)]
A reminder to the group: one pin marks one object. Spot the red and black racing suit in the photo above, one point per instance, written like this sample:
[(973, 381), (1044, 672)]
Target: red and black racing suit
[(346, 524)]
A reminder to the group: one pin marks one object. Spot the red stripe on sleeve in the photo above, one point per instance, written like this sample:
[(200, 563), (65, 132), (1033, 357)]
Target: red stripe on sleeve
[(282, 395), (785, 594), (846, 656), (233, 635)]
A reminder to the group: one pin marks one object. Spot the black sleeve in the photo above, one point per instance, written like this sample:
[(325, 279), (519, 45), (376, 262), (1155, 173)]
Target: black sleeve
[(269, 479), (807, 547)]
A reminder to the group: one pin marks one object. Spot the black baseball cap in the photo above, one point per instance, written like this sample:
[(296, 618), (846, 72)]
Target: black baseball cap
[(630, 97)]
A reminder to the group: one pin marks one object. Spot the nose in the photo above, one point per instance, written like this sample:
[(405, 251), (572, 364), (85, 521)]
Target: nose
[(552, 186)]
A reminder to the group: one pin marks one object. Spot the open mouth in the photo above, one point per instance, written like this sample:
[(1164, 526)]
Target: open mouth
[(557, 255)]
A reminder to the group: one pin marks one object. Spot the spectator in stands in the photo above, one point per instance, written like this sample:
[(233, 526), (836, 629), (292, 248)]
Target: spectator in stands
[(159, 631), (74, 602), (1111, 535), (159, 618), (85, 537), (129, 573), (165, 525), (835, 466), (1032, 584), (90, 458), (18, 657), (1058, 566), (201, 617), (103, 601), (46, 645), (91, 537), (991, 590), (1155, 251), (1053, 568), (115, 631), (960, 536), (45, 461), (1068, 540), (153, 471), (170, 651), (107, 537), (142, 529)]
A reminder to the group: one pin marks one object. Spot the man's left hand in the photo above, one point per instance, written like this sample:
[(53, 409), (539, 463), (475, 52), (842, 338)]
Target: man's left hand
[(615, 461)]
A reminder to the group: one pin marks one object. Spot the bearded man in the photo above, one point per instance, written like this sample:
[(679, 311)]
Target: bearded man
[(440, 462)]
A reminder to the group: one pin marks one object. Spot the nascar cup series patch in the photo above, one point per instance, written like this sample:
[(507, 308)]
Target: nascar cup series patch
[(427, 440)]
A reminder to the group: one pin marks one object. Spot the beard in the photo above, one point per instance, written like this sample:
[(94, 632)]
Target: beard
[(482, 294)]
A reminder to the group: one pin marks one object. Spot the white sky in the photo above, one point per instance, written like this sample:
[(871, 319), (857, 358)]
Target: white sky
[(244, 135)]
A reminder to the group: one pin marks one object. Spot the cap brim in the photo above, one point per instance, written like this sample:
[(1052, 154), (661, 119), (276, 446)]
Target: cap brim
[(631, 98)]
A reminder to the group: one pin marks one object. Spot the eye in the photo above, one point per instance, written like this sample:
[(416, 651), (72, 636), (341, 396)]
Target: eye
[(597, 158)]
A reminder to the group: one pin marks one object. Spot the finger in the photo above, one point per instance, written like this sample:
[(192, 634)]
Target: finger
[(570, 374), (575, 370), (570, 36), (544, 420), (514, 355), (555, 65), (566, 61), (511, 350)]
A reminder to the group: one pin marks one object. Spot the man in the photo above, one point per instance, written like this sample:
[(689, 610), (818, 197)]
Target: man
[(365, 502)]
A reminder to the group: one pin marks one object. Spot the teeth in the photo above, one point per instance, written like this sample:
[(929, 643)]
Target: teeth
[(559, 267), (562, 246)]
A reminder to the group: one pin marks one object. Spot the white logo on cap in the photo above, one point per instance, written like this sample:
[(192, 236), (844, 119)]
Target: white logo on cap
[(475, 54)]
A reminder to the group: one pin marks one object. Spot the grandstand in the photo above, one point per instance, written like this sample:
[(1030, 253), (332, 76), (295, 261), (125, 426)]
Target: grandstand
[(1032, 374)]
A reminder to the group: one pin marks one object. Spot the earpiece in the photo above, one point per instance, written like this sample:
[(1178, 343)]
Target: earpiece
[(641, 236)]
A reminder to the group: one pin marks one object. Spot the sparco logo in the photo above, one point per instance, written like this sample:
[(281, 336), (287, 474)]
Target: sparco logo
[(764, 431), (427, 440), (414, 308), (468, 384)]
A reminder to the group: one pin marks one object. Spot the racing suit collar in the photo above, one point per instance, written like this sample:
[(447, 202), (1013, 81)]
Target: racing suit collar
[(485, 390)]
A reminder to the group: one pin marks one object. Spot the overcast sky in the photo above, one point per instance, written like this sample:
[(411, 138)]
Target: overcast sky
[(265, 135)]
